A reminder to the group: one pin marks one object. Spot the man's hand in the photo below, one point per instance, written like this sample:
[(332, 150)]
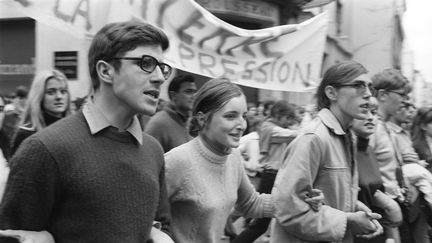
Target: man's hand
[(315, 198), (29, 236), (379, 230), (361, 223), (362, 207), (159, 236)]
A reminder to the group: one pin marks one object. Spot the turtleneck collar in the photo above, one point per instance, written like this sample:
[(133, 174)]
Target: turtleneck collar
[(207, 153), (362, 143), (50, 119)]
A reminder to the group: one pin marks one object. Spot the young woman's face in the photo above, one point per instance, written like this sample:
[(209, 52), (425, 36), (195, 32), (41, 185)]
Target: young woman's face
[(365, 128), (56, 97), (353, 98), (226, 126)]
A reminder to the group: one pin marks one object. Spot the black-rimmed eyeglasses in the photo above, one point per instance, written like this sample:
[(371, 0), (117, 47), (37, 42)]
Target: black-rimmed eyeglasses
[(401, 94), (148, 64), (359, 85)]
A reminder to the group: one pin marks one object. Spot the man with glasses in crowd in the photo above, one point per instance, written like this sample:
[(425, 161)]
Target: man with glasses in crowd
[(170, 126), (391, 89), (94, 176)]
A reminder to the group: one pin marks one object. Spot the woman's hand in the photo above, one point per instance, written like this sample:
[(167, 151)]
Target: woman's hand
[(315, 198), (25, 236)]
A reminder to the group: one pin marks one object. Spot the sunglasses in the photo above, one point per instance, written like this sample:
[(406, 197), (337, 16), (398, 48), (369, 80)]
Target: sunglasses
[(148, 64)]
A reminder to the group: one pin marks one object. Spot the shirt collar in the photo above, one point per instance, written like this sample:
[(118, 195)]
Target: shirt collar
[(97, 121), (394, 127), (331, 121)]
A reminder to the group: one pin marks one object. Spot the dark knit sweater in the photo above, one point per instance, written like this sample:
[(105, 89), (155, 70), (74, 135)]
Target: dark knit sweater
[(86, 188), (169, 127)]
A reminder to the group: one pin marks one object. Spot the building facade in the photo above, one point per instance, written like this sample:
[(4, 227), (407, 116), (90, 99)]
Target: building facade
[(367, 31)]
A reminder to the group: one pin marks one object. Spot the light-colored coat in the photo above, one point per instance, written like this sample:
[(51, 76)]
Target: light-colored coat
[(322, 157)]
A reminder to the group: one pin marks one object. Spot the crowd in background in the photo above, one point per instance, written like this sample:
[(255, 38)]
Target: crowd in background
[(355, 167)]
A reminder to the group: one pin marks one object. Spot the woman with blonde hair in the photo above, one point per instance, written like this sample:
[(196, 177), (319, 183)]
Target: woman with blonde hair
[(48, 101)]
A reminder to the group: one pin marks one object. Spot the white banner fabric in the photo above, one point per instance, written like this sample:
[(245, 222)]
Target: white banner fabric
[(286, 58)]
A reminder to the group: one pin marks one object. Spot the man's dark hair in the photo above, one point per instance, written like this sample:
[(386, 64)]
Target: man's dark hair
[(390, 79), (177, 81), (115, 39), (22, 92), (338, 74), (282, 108)]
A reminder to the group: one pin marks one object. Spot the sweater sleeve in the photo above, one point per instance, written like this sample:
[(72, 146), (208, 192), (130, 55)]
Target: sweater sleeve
[(174, 175), (32, 188), (292, 184), (250, 202)]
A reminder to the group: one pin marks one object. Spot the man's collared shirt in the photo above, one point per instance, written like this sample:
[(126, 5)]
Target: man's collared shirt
[(403, 142), (97, 122)]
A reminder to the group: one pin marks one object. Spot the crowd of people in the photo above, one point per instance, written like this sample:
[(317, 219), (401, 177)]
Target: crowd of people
[(357, 168)]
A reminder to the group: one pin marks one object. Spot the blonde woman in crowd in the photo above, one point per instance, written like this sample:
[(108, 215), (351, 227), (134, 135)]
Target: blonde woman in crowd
[(48, 101)]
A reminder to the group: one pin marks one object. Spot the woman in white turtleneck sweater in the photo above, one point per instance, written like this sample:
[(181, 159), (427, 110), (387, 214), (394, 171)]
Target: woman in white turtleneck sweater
[(205, 177)]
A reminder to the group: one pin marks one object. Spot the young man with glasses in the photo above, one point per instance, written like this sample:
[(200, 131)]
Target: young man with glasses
[(94, 176), (323, 157), (391, 89), (170, 126)]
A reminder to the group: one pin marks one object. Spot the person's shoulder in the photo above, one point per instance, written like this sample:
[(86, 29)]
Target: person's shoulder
[(71, 127), (150, 141), (158, 117), (267, 125), (179, 153), (157, 121), (316, 126), (308, 139)]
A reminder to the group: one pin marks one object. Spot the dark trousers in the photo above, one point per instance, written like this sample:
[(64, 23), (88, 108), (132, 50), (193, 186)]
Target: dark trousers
[(415, 228), (257, 227)]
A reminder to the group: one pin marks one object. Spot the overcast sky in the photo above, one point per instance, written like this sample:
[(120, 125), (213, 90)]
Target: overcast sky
[(418, 30)]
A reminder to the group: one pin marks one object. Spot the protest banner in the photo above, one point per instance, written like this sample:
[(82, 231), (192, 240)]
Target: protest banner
[(286, 57)]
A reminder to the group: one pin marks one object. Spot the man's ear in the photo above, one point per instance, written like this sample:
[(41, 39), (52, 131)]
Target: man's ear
[(172, 95), (381, 95), (105, 71), (331, 93)]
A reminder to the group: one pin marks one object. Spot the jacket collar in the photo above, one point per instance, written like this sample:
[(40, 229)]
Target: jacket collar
[(394, 127), (331, 121)]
